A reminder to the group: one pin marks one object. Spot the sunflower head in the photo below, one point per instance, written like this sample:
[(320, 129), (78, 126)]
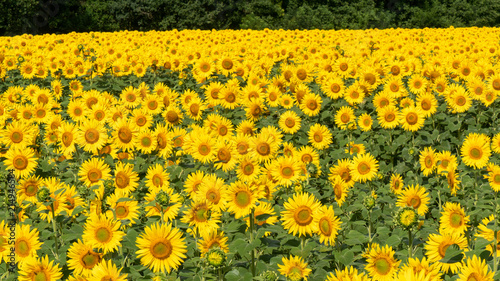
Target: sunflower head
[(163, 199), (406, 218), (369, 202), (269, 276), (216, 257)]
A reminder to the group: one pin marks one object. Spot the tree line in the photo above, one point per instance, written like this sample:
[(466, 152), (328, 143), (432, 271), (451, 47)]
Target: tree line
[(63, 16)]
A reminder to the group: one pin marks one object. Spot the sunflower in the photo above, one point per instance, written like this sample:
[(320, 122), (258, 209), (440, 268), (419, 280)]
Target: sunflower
[(348, 274), (437, 245), (125, 179), (422, 267), (57, 206), (495, 143), (152, 104), (213, 239), (394, 87), (287, 101), (381, 264), (273, 94), (263, 147), (4, 236), (326, 225), (146, 141), (396, 184), (223, 128), (26, 244), (344, 117), (229, 97), (354, 94), (40, 269), (201, 217), (157, 177), (365, 122), (212, 189), (18, 134), (124, 134), (94, 172), (102, 233), (343, 170), (487, 233), (242, 198), (309, 155), (173, 116), (311, 104), (124, 210), (263, 209), (475, 268), (458, 99), (71, 200), (91, 136), (319, 136), (22, 161), (382, 100), (161, 248), (340, 189), (298, 214), (353, 148), (130, 97), (363, 167), (446, 162), (453, 219), (141, 119), (294, 268), (388, 117), (202, 147), (193, 182), (411, 118), (106, 270), (225, 156), (475, 150), (414, 196), (27, 69), (427, 160), (225, 65), (333, 87), (493, 176), (417, 84), (28, 189), (164, 143), (289, 122)]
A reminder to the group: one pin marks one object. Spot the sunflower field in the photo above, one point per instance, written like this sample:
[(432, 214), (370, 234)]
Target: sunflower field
[(251, 155)]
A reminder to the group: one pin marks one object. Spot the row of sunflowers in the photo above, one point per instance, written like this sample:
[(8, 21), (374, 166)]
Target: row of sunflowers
[(240, 155)]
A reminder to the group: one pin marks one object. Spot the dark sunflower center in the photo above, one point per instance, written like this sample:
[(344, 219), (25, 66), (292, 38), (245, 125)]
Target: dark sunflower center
[(302, 74), (382, 266), (224, 155), (121, 212), (303, 215), (414, 202), (412, 118), (263, 149), (172, 117), (161, 250), (121, 180), (94, 175), (20, 162), (92, 136), (22, 248), (290, 122), (248, 169), (125, 135), (31, 189), (287, 172), (363, 168), (242, 198), (390, 117), (103, 235), (461, 101), (16, 137), (476, 153), (456, 220), (325, 227)]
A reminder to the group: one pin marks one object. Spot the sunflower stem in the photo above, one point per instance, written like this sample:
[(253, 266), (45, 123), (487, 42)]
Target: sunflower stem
[(220, 275), (54, 228), (370, 226), (410, 244), (252, 227)]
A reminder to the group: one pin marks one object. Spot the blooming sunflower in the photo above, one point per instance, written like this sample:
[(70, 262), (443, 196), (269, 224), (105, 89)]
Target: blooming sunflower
[(40, 269), (102, 232), (242, 198), (446, 162), (91, 136), (326, 225), (22, 161), (320, 136), (411, 118), (4, 234), (343, 170), (123, 210), (161, 248), (414, 196), (475, 150), (340, 189), (213, 190), (294, 268), (396, 184), (173, 116), (475, 268), (126, 179), (344, 116), (453, 219), (427, 160), (213, 239), (202, 147), (168, 196), (493, 176), (193, 182), (18, 135), (157, 177), (26, 243), (487, 233), (201, 217), (353, 148), (248, 169), (348, 274), (365, 122), (388, 117), (286, 170), (424, 267), (225, 155), (417, 84), (363, 167), (124, 134), (263, 147), (93, 172), (146, 141), (289, 122), (82, 258), (130, 97), (311, 104), (381, 264), (106, 270), (495, 143), (428, 103), (28, 189), (437, 245), (298, 215)]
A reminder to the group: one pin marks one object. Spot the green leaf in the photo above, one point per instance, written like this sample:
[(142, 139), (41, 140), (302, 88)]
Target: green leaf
[(453, 254), (356, 238)]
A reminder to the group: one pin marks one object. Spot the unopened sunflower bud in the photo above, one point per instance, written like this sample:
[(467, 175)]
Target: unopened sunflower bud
[(216, 257), (369, 202), (269, 276), (407, 218), (162, 199), (43, 195)]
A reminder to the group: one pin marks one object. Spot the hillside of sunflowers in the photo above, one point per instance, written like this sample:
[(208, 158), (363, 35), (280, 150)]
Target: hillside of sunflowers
[(251, 155)]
